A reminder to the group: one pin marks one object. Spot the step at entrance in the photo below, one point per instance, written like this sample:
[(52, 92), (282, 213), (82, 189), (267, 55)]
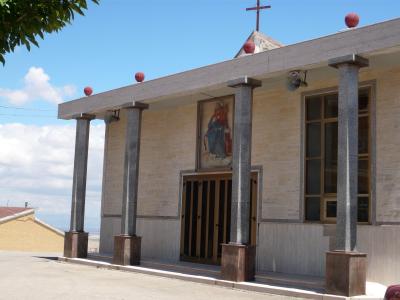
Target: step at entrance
[(291, 280)]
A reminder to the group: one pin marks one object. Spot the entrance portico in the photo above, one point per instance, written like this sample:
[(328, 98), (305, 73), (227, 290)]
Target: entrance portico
[(297, 211)]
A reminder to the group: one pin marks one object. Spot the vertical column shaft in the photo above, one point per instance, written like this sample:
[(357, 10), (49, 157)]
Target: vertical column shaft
[(240, 211), (347, 180), (347, 173), (131, 169), (80, 172)]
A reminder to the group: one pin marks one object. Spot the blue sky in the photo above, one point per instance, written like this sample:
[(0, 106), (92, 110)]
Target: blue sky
[(117, 38)]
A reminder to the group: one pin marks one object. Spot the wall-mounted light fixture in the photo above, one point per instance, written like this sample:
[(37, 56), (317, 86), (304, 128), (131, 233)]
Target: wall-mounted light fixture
[(296, 79), (111, 116)]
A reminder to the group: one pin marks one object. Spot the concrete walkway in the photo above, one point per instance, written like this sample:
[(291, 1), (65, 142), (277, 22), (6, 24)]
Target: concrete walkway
[(29, 276)]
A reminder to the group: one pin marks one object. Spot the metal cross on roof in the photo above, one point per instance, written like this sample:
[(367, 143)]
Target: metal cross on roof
[(258, 8)]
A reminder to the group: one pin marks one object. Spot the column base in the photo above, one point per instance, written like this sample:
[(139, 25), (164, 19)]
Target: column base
[(238, 262), (127, 250), (346, 273), (75, 244)]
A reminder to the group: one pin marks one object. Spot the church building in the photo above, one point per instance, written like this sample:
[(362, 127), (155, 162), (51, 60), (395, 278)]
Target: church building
[(284, 159)]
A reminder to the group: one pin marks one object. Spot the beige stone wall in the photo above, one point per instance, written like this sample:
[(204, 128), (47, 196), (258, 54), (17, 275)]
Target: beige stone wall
[(388, 146), (168, 146), (276, 140), (160, 238), (169, 142), (113, 168), (25, 234)]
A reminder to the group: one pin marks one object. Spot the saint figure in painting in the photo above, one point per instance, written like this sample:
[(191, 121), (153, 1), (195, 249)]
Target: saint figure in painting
[(218, 140)]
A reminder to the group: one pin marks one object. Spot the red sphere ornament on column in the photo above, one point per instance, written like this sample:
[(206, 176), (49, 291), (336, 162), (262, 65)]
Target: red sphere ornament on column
[(249, 47), (352, 20), (88, 91), (139, 76)]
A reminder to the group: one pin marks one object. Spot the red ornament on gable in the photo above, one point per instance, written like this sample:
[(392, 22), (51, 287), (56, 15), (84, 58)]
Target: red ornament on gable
[(352, 20), (88, 91), (139, 76), (249, 47)]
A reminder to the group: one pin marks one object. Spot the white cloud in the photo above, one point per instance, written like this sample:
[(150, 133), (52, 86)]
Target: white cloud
[(36, 165), (37, 86)]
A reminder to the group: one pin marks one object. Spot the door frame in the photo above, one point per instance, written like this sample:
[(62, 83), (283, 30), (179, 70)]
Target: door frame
[(258, 170)]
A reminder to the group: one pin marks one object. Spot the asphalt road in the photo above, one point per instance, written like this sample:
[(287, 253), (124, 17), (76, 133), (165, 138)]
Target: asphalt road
[(30, 276)]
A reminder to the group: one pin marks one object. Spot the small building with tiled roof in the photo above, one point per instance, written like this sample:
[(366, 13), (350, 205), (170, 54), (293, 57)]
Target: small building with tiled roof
[(20, 230)]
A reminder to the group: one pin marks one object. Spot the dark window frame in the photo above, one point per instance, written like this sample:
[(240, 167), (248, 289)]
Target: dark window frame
[(325, 199)]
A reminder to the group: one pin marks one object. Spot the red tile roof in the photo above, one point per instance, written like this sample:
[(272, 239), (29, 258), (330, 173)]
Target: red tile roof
[(9, 211)]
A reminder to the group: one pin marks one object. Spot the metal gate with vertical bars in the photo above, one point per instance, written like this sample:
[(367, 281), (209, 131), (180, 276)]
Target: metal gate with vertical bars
[(206, 214)]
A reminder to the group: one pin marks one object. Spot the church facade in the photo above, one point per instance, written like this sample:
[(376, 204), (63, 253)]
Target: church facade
[(243, 165)]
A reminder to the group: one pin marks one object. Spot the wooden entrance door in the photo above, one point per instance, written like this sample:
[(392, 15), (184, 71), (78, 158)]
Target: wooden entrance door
[(206, 214)]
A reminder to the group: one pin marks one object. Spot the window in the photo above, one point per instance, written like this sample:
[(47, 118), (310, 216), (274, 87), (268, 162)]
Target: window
[(321, 151)]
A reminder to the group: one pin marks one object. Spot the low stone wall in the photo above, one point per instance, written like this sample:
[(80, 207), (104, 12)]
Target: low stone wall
[(298, 248), (160, 237)]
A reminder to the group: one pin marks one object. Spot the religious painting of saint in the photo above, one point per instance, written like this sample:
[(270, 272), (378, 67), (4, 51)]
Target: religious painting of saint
[(215, 133)]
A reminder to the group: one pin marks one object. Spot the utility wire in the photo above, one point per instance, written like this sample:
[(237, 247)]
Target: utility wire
[(24, 108), (28, 116)]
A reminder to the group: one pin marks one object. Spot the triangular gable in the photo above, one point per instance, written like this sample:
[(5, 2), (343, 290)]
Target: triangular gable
[(262, 43)]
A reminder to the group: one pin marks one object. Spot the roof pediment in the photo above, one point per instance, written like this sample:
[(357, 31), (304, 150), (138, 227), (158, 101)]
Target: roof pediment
[(262, 43)]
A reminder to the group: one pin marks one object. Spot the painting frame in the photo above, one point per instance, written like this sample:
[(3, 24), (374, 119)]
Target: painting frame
[(201, 166)]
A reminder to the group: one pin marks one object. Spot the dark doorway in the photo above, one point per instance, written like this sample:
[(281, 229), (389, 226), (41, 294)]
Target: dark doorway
[(206, 214)]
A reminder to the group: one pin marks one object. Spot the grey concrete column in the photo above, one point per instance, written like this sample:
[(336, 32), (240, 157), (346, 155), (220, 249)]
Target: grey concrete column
[(347, 174), (241, 165), (80, 171), (131, 167)]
